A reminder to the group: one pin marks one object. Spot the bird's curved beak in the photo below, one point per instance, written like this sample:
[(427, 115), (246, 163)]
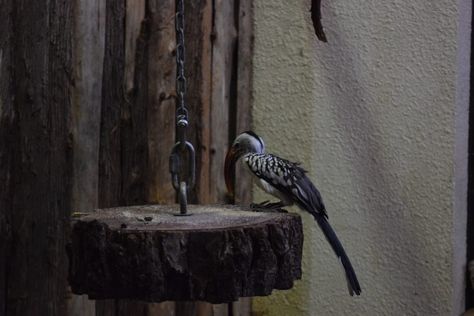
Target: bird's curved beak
[(229, 168)]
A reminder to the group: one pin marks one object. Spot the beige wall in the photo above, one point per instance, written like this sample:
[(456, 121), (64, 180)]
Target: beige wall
[(378, 117)]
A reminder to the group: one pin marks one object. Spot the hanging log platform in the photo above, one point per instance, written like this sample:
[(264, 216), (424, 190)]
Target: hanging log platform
[(217, 254)]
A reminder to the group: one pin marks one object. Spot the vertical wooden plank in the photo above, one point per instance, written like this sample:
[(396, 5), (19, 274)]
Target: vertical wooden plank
[(193, 309), (162, 309), (89, 37), (88, 56), (58, 208), (41, 166), (243, 307), (186, 308), (134, 150), (110, 171), (224, 36), (241, 114), (6, 143), (243, 109), (221, 309), (134, 127), (17, 284), (105, 308), (198, 30), (134, 155), (161, 101), (223, 91)]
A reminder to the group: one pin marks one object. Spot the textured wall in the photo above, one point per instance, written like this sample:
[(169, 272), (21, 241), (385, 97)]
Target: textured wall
[(374, 116)]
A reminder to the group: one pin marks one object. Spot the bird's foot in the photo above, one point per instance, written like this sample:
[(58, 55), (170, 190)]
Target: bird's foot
[(266, 206), (259, 205)]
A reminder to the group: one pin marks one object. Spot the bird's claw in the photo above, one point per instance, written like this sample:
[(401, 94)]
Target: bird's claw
[(266, 206), (259, 205)]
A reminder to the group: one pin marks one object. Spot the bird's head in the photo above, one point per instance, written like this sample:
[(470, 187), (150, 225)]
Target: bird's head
[(247, 142)]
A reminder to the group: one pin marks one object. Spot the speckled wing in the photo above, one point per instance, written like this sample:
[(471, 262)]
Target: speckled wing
[(288, 178)]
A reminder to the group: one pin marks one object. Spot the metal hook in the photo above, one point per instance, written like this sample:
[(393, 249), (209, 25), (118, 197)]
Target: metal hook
[(183, 200), (182, 183)]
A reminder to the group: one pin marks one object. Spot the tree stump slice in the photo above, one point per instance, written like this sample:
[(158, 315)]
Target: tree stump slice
[(218, 254)]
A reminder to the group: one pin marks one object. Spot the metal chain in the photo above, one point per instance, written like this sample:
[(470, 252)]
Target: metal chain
[(181, 112), (182, 150)]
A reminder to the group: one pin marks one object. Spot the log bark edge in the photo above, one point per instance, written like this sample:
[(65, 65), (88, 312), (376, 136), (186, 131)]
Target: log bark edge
[(218, 254)]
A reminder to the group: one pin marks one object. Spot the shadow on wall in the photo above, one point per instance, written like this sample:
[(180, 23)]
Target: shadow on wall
[(387, 227)]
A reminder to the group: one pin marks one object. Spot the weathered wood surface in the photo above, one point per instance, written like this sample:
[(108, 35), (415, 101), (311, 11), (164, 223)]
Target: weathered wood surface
[(6, 144), (198, 36), (241, 116), (113, 99), (86, 120), (218, 254), (208, 130), (88, 56), (36, 115), (243, 108), (223, 92), (198, 30)]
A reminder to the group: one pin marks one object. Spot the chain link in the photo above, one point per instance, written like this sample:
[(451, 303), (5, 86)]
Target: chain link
[(180, 58), (182, 150)]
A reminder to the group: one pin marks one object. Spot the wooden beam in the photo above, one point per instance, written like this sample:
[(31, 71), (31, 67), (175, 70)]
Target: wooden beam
[(241, 114), (223, 92), (88, 56), (161, 100), (243, 108), (6, 144), (161, 108), (198, 29), (110, 170), (42, 164)]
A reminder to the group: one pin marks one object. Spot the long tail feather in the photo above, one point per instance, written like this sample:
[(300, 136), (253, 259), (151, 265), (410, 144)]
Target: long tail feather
[(353, 283)]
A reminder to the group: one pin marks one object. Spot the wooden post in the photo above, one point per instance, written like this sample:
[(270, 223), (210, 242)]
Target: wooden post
[(224, 89), (110, 171), (41, 164), (242, 111), (88, 56), (6, 144), (198, 29), (161, 108), (241, 114)]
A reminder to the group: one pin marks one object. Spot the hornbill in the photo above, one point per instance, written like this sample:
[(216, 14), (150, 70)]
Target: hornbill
[(287, 181)]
